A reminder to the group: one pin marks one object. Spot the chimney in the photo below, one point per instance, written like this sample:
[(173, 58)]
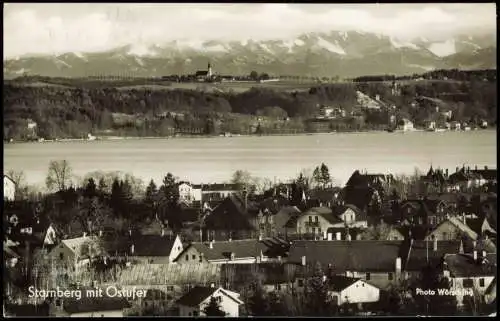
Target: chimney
[(211, 244), (484, 254), (130, 232), (324, 278), (398, 266), (475, 255), (463, 218), (475, 168), (84, 234), (132, 249), (486, 167), (303, 260), (435, 248), (330, 236), (100, 233), (162, 231), (212, 285), (456, 170), (461, 249), (339, 236), (447, 172)]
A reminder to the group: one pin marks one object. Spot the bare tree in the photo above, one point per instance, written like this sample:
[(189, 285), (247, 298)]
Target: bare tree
[(19, 179), (59, 175)]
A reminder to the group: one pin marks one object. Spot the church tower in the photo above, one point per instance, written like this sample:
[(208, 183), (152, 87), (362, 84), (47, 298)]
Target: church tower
[(209, 70)]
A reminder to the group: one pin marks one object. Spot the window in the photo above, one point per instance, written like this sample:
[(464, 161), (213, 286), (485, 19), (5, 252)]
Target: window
[(218, 299), (314, 230), (190, 314), (194, 257), (61, 256), (481, 282), (445, 236), (187, 257), (170, 288), (367, 276), (316, 219), (196, 313), (278, 287), (468, 283), (390, 276), (301, 283), (310, 219), (201, 259)]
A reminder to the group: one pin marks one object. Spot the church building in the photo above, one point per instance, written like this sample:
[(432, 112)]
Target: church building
[(204, 75)]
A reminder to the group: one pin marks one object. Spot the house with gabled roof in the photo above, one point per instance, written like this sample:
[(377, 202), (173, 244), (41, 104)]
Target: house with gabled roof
[(481, 226), (234, 217), (281, 219), (77, 252), (377, 262), (470, 274), (423, 212), (195, 300), (351, 215), (152, 249), (316, 221), (348, 290), (234, 251)]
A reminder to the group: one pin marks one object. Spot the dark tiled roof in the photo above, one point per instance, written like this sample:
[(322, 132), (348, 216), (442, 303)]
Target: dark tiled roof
[(144, 245), (91, 304), (363, 180), (475, 224), (196, 295), (338, 283), (201, 73), (231, 215), (267, 273), (252, 248), (487, 174), (152, 245), (463, 265), (285, 215), (218, 187), (274, 204), (422, 254), (348, 255), (358, 196)]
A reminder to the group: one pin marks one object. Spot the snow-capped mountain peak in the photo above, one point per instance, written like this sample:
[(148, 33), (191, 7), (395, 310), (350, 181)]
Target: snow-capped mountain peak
[(443, 49), (332, 47), (402, 44)]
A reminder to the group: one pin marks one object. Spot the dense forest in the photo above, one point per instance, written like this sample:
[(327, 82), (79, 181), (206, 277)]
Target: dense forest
[(73, 112)]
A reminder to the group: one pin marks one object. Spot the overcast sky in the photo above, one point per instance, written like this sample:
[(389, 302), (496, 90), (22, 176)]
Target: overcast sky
[(57, 28)]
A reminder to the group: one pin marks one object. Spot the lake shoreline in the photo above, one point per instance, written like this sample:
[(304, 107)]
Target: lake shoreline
[(120, 138)]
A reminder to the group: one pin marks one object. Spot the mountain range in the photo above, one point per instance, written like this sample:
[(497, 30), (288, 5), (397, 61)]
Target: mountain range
[(329, 54)]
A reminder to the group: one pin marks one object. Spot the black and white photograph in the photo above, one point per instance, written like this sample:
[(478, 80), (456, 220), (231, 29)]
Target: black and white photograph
[(249, 160)]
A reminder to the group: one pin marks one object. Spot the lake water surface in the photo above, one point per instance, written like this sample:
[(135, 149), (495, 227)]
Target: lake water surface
[(205, 160)]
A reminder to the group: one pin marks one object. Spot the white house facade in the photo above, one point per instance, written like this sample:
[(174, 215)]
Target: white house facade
[(9, 188)]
